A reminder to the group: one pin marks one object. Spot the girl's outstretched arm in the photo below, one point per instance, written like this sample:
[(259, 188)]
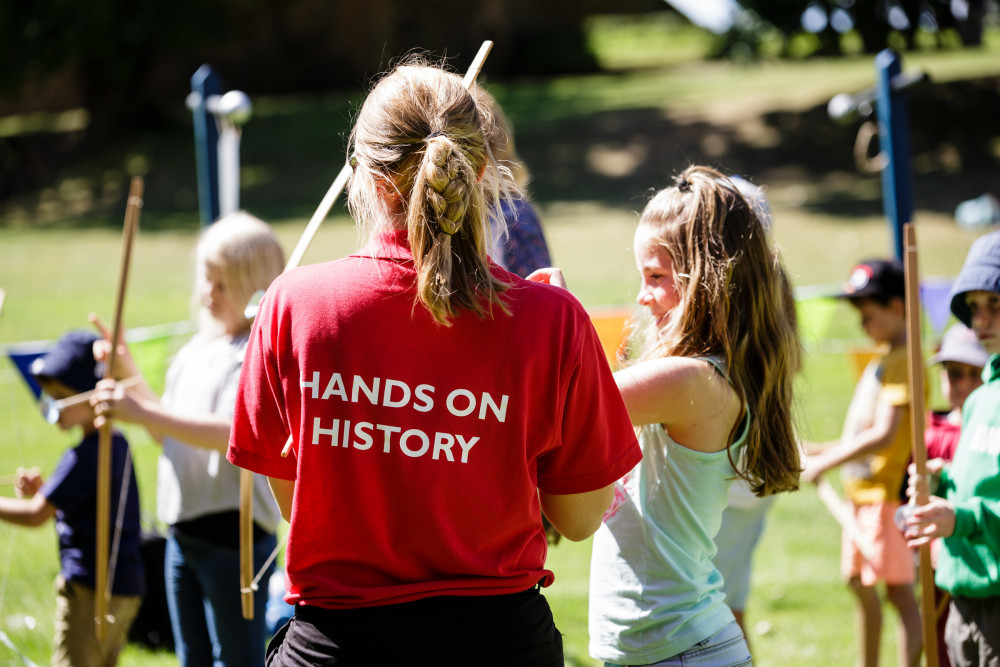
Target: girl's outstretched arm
[(888, 419), (688, 396), (112, 401)]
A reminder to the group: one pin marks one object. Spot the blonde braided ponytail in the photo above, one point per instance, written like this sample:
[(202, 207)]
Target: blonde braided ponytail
[(420, 152), (439, 201)]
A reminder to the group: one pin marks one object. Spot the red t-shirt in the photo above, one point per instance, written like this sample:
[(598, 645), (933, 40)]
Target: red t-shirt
[(941, 436), (419, 448)]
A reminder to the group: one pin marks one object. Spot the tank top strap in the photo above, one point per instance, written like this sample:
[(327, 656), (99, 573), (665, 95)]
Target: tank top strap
[(720, 366)]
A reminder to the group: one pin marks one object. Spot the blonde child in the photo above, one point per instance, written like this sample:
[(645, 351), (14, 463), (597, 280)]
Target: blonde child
[(711, 396), (966, 510), (197, 489), (70, 496), (874, 451), (437, 405)]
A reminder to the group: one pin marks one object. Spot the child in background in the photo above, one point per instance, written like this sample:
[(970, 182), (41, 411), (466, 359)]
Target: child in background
[(873, 454), (966, 510), (523, 248), (197, 489), (962, 360), (70, 495), (711, 395)]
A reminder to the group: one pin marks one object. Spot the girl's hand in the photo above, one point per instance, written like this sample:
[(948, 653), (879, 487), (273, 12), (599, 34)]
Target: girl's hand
[(550, 276), (112, 401), (27, 482), (927, 522), (124, 363)]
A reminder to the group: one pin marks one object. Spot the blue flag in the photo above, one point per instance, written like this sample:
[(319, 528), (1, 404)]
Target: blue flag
[(23, 355)]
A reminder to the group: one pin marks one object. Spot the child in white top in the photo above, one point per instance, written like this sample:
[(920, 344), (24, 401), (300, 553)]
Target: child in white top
[(197, 488)]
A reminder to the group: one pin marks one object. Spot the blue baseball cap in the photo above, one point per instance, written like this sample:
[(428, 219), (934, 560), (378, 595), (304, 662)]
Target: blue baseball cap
[(981, 272), (70, 361)]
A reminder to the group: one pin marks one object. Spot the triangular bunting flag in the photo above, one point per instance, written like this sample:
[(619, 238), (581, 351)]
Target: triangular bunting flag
[(22, 356), (934, 293), (815, 315)]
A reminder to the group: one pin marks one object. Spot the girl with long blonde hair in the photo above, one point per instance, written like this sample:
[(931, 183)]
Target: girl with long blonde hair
[(710, 393)]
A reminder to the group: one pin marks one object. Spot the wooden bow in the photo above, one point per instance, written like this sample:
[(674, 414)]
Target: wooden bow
[(101, 587), (928, 611), (247, 583)]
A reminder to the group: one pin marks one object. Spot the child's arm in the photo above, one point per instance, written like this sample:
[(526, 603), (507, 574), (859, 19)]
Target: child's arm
[(878, 436), (577, 516), (112, 401), (686, 395), (27, 511)]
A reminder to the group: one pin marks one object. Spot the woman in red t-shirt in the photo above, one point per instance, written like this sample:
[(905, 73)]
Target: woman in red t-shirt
[(437, 405)]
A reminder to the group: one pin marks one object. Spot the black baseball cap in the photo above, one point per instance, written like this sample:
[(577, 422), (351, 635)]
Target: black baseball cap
[(70, 361), (880, 278)]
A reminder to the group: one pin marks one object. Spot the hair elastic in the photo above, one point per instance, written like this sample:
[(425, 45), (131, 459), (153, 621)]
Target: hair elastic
[(684, 185), (432, 135)]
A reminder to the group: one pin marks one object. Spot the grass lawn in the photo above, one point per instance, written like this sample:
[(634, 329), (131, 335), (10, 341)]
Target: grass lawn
[(596, 145)]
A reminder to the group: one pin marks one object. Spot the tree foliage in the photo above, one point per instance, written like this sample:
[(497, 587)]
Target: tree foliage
[(831, 27)]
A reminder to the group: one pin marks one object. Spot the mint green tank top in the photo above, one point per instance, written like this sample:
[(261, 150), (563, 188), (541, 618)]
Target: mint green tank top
[(654, 592)]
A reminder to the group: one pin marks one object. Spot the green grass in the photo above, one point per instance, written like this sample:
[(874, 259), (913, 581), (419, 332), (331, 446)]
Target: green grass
[(59, 252), (799, 611)]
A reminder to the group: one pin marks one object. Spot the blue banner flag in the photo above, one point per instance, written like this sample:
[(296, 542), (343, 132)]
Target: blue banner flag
[(23, 355)]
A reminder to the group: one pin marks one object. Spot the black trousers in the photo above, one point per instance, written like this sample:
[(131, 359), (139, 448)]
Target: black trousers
[(514, 630)]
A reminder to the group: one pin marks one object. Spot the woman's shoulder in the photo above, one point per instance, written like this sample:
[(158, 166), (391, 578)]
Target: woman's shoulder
[(541, 296)]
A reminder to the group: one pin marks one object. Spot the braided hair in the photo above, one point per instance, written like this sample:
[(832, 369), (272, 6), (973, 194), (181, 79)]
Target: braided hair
[(419, 153)]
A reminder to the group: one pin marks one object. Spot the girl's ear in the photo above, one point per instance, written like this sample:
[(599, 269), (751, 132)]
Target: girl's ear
[(482, 172)]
